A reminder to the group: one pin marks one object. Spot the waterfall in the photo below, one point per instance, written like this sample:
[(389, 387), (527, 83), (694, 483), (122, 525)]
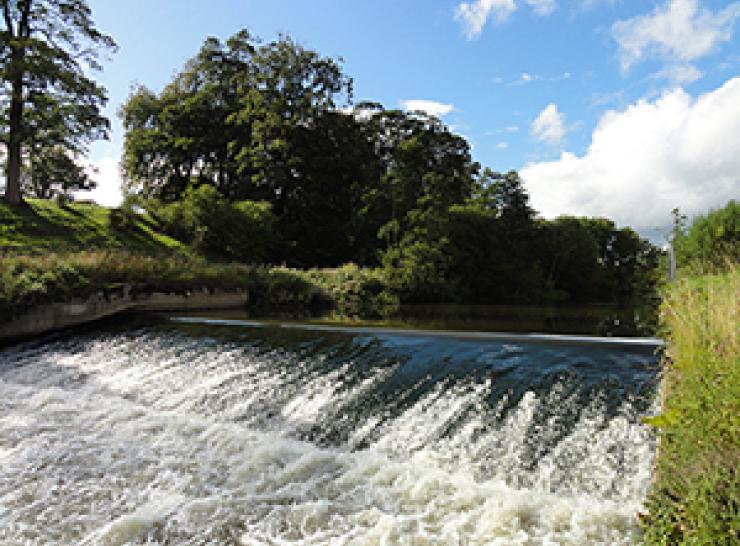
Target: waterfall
[(191, 435)]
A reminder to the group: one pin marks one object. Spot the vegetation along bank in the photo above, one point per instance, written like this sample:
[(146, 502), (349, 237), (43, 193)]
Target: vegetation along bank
[(695, 498)]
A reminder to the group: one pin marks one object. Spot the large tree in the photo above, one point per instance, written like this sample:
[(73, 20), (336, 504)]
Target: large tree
[(186, 133), (49, 108)]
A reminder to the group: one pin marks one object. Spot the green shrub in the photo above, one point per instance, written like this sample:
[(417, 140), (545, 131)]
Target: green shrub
[(712, 242), (218, 228), (30, 280), (356, 291)]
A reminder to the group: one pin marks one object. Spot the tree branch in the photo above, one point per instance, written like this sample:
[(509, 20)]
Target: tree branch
[(24, 28)]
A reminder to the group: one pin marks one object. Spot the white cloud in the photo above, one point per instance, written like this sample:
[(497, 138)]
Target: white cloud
[(108, 176), (543, 7), (680, 74), (549, 126), (433, 108), (502, 145), (642, 162), (473, 16), (678, 30), (524, 79)]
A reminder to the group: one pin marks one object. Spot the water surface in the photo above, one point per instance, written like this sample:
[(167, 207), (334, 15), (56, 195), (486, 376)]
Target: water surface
[(168, 433)]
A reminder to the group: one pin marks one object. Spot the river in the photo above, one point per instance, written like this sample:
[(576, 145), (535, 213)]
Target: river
[(162, 432)]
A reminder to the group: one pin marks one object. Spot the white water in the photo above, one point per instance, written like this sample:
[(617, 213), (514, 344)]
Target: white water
[(166, 439)]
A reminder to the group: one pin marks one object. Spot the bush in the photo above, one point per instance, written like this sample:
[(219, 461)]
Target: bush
[(712, 242), (356, 291), (30, 280), (217, 228)]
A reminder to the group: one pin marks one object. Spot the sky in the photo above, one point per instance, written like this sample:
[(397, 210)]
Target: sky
[(616, 108)]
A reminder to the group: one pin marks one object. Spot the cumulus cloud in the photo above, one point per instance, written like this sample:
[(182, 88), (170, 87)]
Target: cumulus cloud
[(108, 177), (549, 125), (433, 108), (543, 7), (473, 16), (675, 151), (679, 30)]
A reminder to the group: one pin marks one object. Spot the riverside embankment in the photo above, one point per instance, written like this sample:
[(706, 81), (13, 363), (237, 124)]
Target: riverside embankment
[(695, 497), (43, 292)]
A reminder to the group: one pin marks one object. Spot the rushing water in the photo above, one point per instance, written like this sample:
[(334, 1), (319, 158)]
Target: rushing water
[(183, 435)]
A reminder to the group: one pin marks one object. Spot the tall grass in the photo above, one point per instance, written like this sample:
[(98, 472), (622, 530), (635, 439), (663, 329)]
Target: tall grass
[(696, 494), (35, 279)]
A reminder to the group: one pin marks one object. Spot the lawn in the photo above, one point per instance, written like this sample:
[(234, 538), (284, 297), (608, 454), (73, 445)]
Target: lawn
[(40, 225)]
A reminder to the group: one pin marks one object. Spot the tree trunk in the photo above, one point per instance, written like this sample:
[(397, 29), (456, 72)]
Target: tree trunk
[(15, 122), (13, 180)]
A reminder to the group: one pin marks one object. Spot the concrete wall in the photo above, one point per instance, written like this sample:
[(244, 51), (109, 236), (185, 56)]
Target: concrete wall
[(56, 316)]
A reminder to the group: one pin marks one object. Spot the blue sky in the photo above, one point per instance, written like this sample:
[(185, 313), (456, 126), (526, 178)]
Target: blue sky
[(566, 91)]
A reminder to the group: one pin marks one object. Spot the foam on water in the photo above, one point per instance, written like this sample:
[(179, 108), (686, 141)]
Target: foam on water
[(161, 437)]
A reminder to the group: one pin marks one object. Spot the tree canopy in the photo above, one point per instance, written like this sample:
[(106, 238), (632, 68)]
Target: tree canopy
[(711, 242), (50, 109), (271, 128)]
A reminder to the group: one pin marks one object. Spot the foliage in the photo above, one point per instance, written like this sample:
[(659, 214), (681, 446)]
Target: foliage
[(52, 172), (696, 494), (354, 291), (711, 242), (29, 280), (218, 228), (262, 122), (590, 259), (51, 109), (418, 265)]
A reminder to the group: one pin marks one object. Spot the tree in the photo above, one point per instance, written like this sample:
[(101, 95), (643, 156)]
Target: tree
[(49, 105), (292, 88), (188, 132)]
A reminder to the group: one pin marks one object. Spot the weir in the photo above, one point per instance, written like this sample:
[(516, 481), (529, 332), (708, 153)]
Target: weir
[(182, 433)]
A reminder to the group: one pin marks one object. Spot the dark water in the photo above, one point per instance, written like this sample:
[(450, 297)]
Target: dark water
[(171, 433), (592, 320)]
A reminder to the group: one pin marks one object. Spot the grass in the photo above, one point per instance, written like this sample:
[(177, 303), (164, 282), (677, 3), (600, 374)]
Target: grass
[(696, 493), (52, 253), (30, 280), (41, 224)]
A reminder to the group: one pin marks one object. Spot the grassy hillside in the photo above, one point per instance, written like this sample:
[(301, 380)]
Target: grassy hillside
[(42, 224), (696, 494)]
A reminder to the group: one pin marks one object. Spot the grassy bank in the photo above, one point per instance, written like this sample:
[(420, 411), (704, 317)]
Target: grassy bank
[(40, 225), (51, 253), (696, 494), (29, 280)]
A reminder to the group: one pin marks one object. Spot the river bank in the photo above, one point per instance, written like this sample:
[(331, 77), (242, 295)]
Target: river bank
[(43, 292), (696, 491)]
